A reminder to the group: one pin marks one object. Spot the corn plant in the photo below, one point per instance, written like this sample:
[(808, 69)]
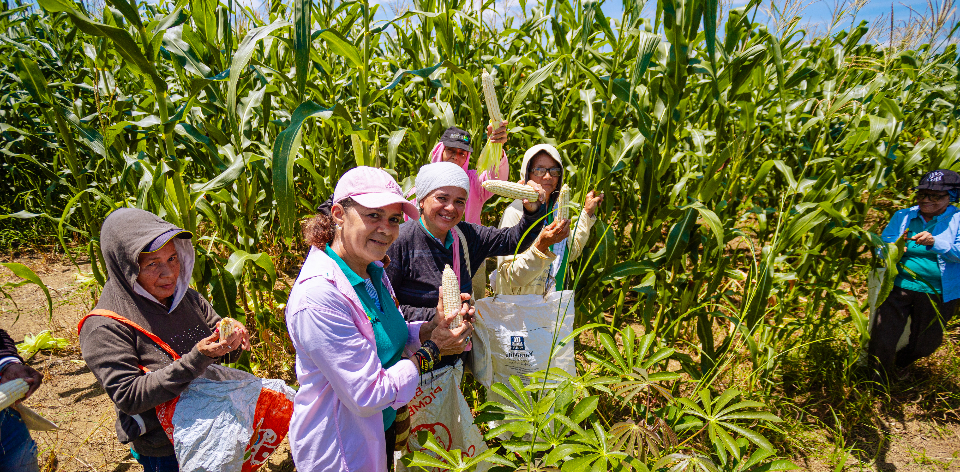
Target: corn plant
[(747, 167)]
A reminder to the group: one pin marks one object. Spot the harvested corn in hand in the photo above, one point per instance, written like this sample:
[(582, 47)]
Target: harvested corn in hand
[(511, 190), (227, 327)]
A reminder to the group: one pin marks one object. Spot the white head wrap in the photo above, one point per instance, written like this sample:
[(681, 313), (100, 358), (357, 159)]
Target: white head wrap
[(441, 174)]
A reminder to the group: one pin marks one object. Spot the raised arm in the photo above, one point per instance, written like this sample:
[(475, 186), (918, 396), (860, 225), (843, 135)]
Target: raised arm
[(485, 241)]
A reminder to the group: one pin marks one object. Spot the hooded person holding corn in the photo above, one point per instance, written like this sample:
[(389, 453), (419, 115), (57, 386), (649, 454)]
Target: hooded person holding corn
[(540, 269), (149, 262)]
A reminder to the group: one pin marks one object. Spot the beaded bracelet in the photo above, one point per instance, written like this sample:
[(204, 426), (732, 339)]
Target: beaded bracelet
[(423, 360), (434, 349)]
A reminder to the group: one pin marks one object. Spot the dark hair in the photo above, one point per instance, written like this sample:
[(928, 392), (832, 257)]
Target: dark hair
[(319, 230)]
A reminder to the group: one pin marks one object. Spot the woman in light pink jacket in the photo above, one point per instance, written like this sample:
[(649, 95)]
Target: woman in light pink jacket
[(357, 359)]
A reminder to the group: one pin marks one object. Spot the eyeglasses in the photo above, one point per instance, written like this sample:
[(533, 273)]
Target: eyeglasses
[(933, 197), (541, 171)]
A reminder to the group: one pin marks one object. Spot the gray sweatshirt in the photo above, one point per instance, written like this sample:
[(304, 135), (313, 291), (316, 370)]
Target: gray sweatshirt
[(115, 352)]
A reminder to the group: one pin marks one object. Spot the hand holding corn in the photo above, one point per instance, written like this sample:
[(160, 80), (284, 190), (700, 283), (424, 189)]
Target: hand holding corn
[(229, 335), (499, 135), (531, 193), (18, 382), (552, 234), (453, 323), (593, 201)]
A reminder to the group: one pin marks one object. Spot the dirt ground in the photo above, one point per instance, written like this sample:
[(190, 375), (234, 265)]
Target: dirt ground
[(70, 395), (904, 439)]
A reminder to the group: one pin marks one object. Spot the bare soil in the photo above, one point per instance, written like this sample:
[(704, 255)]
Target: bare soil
[(917, 429), (70, 395)]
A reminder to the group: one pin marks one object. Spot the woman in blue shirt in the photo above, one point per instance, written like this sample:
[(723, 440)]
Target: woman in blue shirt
[(927, 287)]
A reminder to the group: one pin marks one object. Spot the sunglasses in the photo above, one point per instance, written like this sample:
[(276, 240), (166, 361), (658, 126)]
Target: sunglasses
[(933, 197), (541, 171)]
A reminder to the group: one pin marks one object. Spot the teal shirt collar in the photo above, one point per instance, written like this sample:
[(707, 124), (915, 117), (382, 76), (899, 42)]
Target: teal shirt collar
[(375, 271), (448, 241)]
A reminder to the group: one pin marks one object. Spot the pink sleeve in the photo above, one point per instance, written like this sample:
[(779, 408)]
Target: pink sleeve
[(413, 337), (327, 335), (502, 171)]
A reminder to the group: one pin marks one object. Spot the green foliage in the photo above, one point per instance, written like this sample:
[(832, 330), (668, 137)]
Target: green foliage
[(35, 343), (747, 174), (28, 276)]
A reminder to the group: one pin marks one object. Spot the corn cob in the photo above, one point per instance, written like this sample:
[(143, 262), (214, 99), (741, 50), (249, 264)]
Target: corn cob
[(511, 190), (451, 296), (563, 203), (227, 327), (492, 151), (12, 391)]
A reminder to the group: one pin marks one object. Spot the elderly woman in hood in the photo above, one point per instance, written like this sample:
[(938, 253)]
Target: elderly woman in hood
[(540, 268), (149, 262)]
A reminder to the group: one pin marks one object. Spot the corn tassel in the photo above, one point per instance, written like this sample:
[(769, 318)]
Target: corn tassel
[(451, 296), (12, 391), (563, 203), (227, 327), (492, 152), (511, 190)]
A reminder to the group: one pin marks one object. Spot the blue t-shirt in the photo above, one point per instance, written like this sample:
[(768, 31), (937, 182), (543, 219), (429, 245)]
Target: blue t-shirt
[(389, 327), (919, 260)]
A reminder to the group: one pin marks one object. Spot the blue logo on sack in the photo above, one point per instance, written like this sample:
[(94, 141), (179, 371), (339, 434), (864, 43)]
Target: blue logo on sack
[(516, 343)]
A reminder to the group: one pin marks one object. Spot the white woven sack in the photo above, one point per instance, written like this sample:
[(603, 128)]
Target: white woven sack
[(439, 408), (520, 332), (874, 281), (213, 420)]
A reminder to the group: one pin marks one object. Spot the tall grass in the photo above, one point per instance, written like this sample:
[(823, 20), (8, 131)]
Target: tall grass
[(748, 169)]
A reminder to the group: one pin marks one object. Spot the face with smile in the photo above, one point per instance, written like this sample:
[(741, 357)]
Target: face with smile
[(547, 181), (159, 272), (365, 233), (454, 155), (443, 209), (932, 203)]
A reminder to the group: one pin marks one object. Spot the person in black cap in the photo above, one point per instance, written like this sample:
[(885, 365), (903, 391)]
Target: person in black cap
[(456, 146), (909, 324)]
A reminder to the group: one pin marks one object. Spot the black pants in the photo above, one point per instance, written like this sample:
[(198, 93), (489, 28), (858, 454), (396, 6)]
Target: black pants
[(391, 436), (928, 315)]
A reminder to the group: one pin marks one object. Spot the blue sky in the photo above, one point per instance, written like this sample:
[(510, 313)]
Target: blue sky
[(815, 14)]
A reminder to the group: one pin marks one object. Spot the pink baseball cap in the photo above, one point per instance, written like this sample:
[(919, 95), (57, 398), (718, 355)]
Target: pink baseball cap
[(372, 188)]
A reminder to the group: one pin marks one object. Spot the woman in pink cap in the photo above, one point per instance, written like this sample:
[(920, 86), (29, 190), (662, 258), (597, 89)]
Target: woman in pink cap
[(349, 335)]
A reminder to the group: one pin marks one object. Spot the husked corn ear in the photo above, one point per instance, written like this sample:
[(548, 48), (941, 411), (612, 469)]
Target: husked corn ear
[(563, 203), (451, 295), (227, 327), (12, 391), (490, 96), (511, 190), (491, 153)]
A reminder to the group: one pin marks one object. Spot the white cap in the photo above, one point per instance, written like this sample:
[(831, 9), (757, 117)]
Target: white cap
[(440, 174)]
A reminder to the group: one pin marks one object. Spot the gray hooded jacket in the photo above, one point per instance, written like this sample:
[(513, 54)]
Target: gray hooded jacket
[(115, 352)]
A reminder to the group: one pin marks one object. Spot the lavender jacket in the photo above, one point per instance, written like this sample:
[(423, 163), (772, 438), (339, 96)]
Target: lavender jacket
[(337, 422)]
